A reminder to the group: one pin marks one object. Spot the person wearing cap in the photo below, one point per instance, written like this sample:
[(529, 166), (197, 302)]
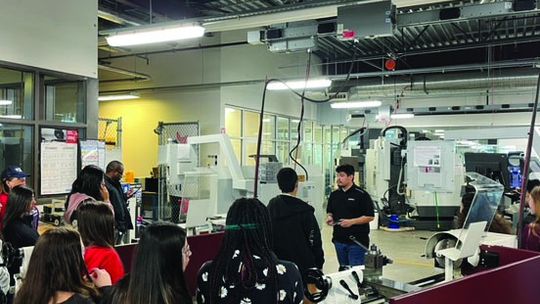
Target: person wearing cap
[(12, 177)]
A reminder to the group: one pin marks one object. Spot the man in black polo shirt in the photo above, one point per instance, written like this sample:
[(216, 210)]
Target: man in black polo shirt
[(350, 209)]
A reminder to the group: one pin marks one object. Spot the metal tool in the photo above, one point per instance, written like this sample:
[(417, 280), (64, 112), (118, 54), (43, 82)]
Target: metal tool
[(352, 295)]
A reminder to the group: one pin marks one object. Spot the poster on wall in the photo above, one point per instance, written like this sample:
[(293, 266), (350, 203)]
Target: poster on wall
[(427, 156), (92, 153), (58, 160)]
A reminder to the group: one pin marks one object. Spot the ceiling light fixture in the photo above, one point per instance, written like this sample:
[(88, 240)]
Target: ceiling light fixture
[(356, 104), (299, 84), (118, 97), (402, 116), (4, 102), (153, 34), (11, 116)]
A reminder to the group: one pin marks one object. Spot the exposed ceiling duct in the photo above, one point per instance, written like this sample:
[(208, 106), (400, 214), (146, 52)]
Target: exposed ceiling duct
[(503, 82), (134, 76)]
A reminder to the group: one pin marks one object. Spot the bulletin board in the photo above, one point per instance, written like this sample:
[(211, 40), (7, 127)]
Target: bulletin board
[(58, 161)]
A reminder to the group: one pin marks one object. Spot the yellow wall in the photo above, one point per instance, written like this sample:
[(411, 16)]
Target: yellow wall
[(141, 116)]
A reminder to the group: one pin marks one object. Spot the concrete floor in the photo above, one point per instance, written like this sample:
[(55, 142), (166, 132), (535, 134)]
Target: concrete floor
[(404, 248)]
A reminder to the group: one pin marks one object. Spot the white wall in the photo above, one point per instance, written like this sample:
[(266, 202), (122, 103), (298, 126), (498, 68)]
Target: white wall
[(57, 35)]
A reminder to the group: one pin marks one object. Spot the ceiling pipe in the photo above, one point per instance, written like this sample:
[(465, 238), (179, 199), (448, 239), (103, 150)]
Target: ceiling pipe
[(114, 18), (291, 13), (135, 76)]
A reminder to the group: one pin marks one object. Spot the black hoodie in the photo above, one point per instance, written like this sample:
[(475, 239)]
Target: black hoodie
[(297, 237)]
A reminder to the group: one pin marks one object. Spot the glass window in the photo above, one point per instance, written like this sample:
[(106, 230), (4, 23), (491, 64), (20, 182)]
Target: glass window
[(237, 148), (335, 134), (268, 147), (294, 129), (308, 131), (318, 132), (307, 153), (251, 124), (282, 128), (318, 155), (16, 148), (269, 127), (327, 134), (233, 122), (16, 94), (64, 99), (282, 152), (344, 133)]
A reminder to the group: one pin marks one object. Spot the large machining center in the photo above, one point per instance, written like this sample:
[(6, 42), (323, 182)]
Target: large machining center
[(415, 183), (204, 192)]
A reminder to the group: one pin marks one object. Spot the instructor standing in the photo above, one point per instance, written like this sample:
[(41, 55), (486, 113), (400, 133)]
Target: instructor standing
[(350, 209), (122, 218)]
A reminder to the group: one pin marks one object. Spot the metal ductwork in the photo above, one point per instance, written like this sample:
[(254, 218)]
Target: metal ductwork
[(433, 84), (134, 76)]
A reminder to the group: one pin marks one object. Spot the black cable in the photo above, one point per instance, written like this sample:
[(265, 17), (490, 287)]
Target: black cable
[(303, 98), (299, 127), (259, 140), (340, 89), (527, 165)]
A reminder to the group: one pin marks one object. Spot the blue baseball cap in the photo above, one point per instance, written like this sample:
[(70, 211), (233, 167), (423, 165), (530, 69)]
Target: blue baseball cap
[(13, 171)]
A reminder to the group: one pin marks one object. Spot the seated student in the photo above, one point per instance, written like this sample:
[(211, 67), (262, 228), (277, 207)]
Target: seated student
[(96, 226), (18, 229), (89, 185), (297, 237), (528, 217), (12, 177), (530, 237), (245, 269), (157, 275), (499, 224), (57, 274)]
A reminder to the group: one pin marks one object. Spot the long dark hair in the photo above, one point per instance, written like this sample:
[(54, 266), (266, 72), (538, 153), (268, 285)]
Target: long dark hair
[(56, 265), (96, 224), (248, 232), (19, 202), (88, 182), (158, 275)]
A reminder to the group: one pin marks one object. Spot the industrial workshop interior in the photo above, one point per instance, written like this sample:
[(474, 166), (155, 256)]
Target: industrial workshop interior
[(269, 151)]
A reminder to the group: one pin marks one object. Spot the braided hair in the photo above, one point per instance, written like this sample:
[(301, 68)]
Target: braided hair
[(248, 233)]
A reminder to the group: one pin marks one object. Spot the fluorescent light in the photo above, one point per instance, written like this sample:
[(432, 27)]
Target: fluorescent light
[(138, 36), (402, 116), (4, 102), (356, 104), (118, 97), (11, 116), (300, 84)]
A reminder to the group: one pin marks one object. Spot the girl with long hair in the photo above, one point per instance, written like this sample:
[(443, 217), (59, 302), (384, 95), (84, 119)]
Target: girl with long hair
[(57, 273), (158, 271), (246, 270), (18, 228), (89, 185), (530, 238), (96, 226)]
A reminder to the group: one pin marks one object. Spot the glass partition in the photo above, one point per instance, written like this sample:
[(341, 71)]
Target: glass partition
[(16, 94), (65, 100), (486, 199)]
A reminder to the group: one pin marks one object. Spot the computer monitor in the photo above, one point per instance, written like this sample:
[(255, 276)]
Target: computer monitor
[(491, 165)]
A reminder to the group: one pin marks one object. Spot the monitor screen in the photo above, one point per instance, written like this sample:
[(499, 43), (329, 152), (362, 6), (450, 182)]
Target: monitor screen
[(491, 165)]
